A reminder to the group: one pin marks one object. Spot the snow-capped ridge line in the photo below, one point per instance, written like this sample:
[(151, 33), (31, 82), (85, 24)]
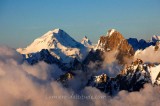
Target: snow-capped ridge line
[(59, 43), (110, 32)]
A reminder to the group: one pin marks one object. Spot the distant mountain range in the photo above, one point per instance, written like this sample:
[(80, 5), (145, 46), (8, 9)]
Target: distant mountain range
[(57, 47)]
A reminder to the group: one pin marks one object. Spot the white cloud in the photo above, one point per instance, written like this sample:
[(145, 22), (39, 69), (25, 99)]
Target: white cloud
[(148, 55)]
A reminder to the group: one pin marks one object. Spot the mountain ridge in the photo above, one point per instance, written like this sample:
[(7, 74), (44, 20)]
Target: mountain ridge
[(59, 44), (57, 47)]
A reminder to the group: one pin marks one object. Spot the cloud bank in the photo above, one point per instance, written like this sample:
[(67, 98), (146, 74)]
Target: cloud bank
[(148, 55)]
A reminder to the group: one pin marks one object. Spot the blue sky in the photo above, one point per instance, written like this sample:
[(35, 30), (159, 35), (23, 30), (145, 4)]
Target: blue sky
[(21, 21)]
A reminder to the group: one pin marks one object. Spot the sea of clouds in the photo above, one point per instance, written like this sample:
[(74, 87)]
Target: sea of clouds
[(24, 85)]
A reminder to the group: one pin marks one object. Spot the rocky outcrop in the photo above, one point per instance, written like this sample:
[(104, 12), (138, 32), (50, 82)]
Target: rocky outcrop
[(132, 78), (114, 41), (86, 42), (44, 55)]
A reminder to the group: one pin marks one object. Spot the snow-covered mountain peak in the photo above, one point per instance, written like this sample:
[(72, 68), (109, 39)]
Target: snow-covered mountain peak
[(56, 38), (155, 38), (60, 45), (57, 30), (113, 33), (86, 42), (52, 32), (110, 32), (59, 35), (85, 38)]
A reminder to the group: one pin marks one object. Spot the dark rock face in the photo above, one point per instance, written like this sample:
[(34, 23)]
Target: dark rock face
[(43, 55), (141, 44), (93, 56), (134, 42), (132, 79)]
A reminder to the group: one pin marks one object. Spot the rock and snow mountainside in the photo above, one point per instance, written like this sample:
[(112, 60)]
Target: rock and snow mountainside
[(59, 44), (86, 42), (144, 70), (155, 38), (114, 41), (132, 78), (57, 47), (142, 44)]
